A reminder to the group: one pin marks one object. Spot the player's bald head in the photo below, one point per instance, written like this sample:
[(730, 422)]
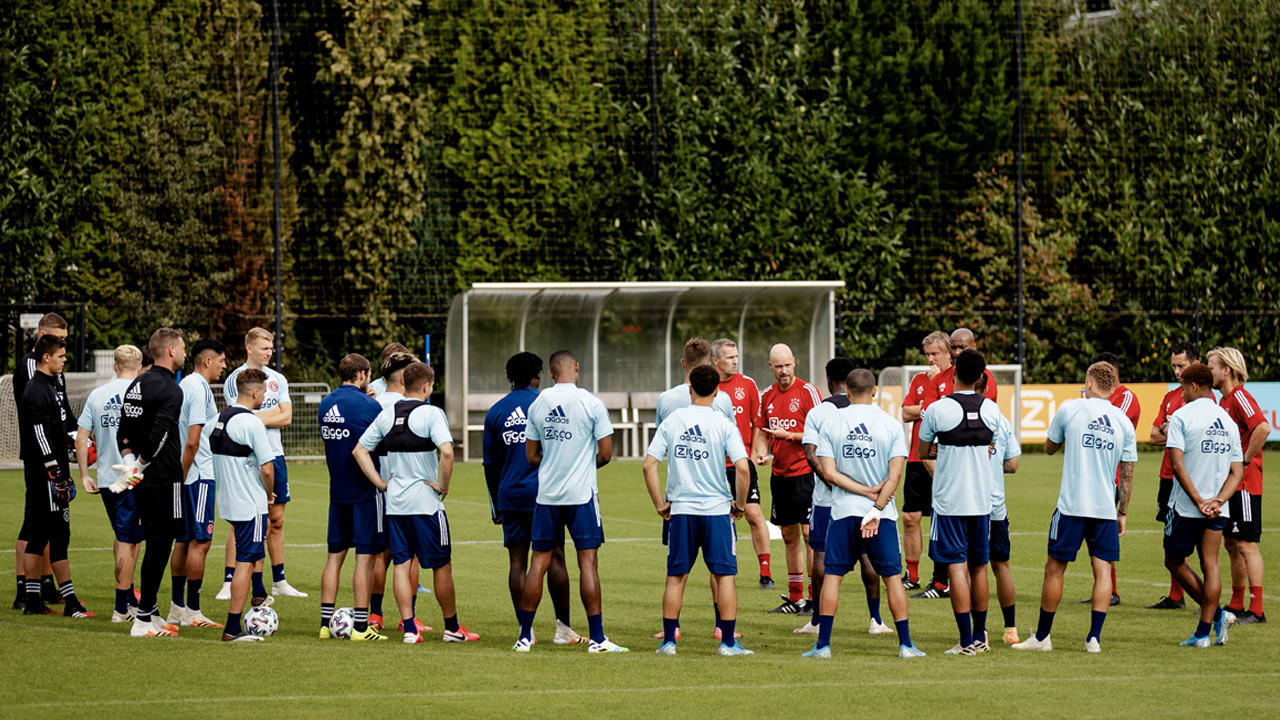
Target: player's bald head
[(861, 383), (963, 336), (781, 353)]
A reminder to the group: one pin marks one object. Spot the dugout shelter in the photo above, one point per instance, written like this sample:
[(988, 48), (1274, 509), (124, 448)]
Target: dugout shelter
[(628, 338)]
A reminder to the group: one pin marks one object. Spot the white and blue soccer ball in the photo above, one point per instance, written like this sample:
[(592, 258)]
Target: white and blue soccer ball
[(342, 622), (262, 621)]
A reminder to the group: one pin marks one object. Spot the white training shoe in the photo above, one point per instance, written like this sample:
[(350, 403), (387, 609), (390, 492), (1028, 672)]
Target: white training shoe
[(1092, 645), (566, 636), (123, 617), (1031, 643), (606, 646), (142, 629), (283, 588), (177, 615), (1229, 618), (879, 628), (195, 618), (225, 592), (806, 629), (523, 645)]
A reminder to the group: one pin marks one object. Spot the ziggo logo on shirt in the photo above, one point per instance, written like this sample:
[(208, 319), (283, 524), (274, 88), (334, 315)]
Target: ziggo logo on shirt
[(776, 423), (514, 437), (1094, 442), (556, 434), (686, 452)]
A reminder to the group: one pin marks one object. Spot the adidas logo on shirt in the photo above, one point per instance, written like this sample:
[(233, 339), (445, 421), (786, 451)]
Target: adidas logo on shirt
[(1217, 429), (859, 433), (557, 416), (135, 393), (693, 434), (334, 416), (1102, 424), (517, 417)]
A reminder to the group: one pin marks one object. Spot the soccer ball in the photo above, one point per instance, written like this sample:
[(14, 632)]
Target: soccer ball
[(262, 621), (343, 620)]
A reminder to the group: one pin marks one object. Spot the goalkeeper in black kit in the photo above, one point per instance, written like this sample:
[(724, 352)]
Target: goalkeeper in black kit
[(46, 468)]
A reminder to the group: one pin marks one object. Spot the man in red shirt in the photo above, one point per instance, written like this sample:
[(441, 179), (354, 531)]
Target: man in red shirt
[(1245, 529), (1123, 399), (1182, 355), (745, 396), (779, 432), (917, 492)]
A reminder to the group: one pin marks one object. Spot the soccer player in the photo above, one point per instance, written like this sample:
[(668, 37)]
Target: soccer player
[(50, 324), (46, 521), (1124, 399), (745, 397), (379, 386), (99, 421), (1204, 445), (963, 425), (355, 505), (1245, 530), (1005, 451), (1097, 438), (962, 339), (243, 472), (1182, 355), (568, 437), (151, 449), (186, 565), (412, 434), (837, 372), (276, 413), (513, 487), (862, 451), (779, 432), (917, 490), (697, 503)]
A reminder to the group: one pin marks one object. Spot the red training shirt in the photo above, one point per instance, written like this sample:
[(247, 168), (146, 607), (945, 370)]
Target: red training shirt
[(946, 384), (745, 396), (1242, 408), (1172, 401), (787, 410), (1124, 399), (922, 391)]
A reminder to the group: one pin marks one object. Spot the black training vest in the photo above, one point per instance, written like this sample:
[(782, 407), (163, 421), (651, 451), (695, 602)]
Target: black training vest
[(219, 443), (401, 439), (971, 432)]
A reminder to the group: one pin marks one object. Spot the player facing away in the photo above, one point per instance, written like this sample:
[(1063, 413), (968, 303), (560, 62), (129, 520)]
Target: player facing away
[(151, 449), (917, 485), (1245, 529), (1005, 451), (356, 516), (513, 487), (1204, 446), (745, 397), (837, 372), (379, 386), (56, 325), (862, 451), (419, 457), (1124, 399), (695, 440), (186, 564), (963, 425), (779, 435), (1182, 355), (568, 437), (276, 413), (99, 421), (1096, 439), (46, 521), (243, 475)]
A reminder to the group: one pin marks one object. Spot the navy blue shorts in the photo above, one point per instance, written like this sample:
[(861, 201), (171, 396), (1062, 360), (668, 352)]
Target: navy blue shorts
[(583, 521), (1182, 534), (517, 527), (358, 525), (249, 536), (819, 522), (1068, 532), (122, 511), (197, 512), (845, 545), (425, 537), (281, 482), (957, 539), (714, 535), (1000, 544)]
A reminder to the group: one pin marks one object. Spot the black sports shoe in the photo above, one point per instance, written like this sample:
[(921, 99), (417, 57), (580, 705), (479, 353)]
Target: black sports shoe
[(37, 609), (933, 592), (1168, 603), (49, 593), (787, 607), (807, 607), (242, 636), (1248, 617), (908, 583), (1115, 600), (20, 601), (766, 583)]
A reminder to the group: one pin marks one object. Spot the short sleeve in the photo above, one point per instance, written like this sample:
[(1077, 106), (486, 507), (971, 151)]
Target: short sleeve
[(374, 433), (198, 413), (725, 406), (86, 415), (1175, 435), (1161, 414), (1057, 426), (822, 447), (898, 443), (762, 421), (733, 447), (282, 395), (1130, 453), (229, 390), (927, 424), (439, 428), (533, 421), (1245, 411), (658, 445), (1012, 448), (812, 427), (603, 428), (260, 443), (1237, 448)]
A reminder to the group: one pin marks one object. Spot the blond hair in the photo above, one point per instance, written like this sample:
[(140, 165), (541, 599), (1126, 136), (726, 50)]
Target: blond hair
[(937, 337), (1234, 360), (1104, 375), (128, 357), (258, 334)]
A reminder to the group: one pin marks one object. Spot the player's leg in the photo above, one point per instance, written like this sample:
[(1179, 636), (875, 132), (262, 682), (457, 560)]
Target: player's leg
[(871, 587), (839, 555), (672, 599), (198, 513), (403, 587), (329, 578), (912, 545), (248, 538), (20, 573), (228, 566), (178, 581), (59, 542), (1104, 551), (759, 528), (1173, 600), (1050, 598), (436, 553), (545, 534), (155, 504), (1210, 609), (517, 566), (793, 540), (275, 548), (558, 588), (1101, 599)]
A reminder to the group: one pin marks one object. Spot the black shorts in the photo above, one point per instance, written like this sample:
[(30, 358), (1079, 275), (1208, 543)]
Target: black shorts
[(1162, 499), (1246, 517), (42, 527), (917, 490), (160, 508), (792, 498), (753, 490)]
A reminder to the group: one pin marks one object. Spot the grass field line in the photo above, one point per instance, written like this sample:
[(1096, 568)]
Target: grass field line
[(709, 687)]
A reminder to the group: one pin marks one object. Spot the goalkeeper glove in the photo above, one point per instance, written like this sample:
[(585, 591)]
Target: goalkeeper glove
[(61, 483), (130, 474)]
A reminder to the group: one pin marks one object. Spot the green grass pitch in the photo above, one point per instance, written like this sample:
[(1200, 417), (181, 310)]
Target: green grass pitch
[(66, 668)]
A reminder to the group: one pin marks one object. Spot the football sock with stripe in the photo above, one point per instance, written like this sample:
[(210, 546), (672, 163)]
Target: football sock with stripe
[(824, 630), (326, 614), (763, 559), (228, 573), (68, 592), (913, 570), (963, 623), (179, 590), (979, 625), (33, 594), (1237, 599), (361, 618), (795, 586), (193, 593), (375, 603), (904, 632), (669, 626), (258, 589), (1255, 602), (1044, 625), (1175, 590), (145, 615), (451, 623), (277, 572), (122, 601), (22, 585), (1095, 625), (596, 625), (1009, 615)]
